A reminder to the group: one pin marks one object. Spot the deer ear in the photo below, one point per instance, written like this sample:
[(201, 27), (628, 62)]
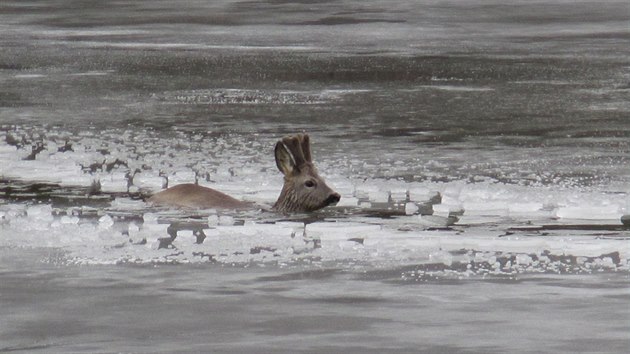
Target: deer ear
[(284, 159), (306, 148)]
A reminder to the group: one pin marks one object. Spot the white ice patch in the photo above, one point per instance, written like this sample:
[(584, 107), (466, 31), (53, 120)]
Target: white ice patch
[(469, 250), (92, 73), (457, 88), (463, 225), (603, 212), (29, 76)]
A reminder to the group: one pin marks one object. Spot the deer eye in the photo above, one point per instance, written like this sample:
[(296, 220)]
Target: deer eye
[(309, 184)]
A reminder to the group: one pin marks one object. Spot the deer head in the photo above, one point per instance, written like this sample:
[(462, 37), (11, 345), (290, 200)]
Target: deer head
[(304, 190)]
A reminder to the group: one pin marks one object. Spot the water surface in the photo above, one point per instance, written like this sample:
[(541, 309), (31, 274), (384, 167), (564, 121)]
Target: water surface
[(481, 150)]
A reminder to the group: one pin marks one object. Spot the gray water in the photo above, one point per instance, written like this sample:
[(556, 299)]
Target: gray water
[(515, 112), (262, 310)]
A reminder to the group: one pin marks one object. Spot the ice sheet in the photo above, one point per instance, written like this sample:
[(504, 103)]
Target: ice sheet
[(465, 226)]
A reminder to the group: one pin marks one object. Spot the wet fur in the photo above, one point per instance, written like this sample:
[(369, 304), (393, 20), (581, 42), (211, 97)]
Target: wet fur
[(293, 159), (196, 197)]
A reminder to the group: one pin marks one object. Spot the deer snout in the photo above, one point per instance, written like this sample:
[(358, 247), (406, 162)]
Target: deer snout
[(333, 199)]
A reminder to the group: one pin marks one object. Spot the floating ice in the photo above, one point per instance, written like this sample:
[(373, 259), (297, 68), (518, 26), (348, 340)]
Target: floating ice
[(378, 196), (411, 208), (226, 220), (29, 76), (377, 222), (213, 219), (69, 219), (488, 208), (105, 222), (347, 201), (150, 182), (180, 177), (457, 88), (114, 183), (609, 212)]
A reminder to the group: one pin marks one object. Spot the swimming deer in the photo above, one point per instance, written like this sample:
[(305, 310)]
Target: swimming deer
[(303, 190)]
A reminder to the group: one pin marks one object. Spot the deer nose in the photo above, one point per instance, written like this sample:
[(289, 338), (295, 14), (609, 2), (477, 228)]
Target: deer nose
[(333, 199)]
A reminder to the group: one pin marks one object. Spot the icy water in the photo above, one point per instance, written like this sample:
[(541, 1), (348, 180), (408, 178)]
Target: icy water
[(481, 149)]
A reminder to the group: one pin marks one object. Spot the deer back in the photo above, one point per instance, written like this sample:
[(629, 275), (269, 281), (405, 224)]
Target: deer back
[(196, 197)]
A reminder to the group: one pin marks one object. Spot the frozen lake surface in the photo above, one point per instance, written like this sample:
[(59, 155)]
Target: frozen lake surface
[(481, 149)]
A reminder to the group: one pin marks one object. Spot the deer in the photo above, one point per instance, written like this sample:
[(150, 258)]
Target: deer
[(303, 190)]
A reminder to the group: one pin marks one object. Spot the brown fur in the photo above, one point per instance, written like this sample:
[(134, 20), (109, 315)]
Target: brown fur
[(303, 190), (196, 197)]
